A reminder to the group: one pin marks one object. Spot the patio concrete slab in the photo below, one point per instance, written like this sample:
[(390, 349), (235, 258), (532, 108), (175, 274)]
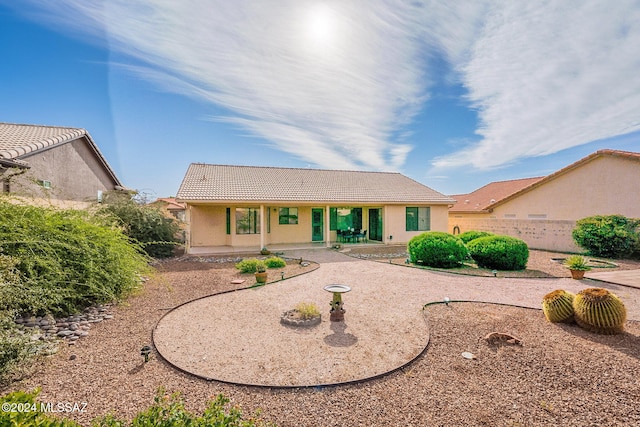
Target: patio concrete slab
[(619, 277)]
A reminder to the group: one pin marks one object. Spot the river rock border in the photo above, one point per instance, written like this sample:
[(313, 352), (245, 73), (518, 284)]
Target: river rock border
[(70, 328)]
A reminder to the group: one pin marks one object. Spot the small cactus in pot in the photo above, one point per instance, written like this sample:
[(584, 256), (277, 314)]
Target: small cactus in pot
[(557, 306), (600, 311)]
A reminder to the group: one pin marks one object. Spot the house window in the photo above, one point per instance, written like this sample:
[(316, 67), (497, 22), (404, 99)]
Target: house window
[(46, 184), (247, 221), (537, 216), (345, 218), (418, 219), (288, 216), (228, 220)]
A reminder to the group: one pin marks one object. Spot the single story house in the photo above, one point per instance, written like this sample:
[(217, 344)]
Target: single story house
[(543, 211), (242, 207), (55, 165), (171, 207)]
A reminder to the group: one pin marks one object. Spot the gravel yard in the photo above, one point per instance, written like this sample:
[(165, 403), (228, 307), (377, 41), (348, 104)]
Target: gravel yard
[(560, 375)]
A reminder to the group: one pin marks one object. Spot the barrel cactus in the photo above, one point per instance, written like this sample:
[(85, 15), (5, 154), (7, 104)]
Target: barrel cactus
[(600, 311), (557, 306)]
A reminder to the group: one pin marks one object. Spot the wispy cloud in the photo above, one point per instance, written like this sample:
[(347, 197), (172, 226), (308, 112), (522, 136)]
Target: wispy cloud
[(336, 83), (329, 82), (548, 75)]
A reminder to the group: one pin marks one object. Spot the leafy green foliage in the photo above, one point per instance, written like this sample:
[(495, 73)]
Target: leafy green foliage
[(307, 310), (611, 236), (64, 260), (29, 413), (577, 262), (169, 411), (437, 249), (146, 224), (15, 349), (499, 252), (251, 265), (468, 236), (275, 262)]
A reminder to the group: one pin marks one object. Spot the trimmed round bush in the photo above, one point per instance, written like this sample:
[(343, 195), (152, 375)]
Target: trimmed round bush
[(610, 236), (437, 249), (468, 236), (499, 252), (251, 265)]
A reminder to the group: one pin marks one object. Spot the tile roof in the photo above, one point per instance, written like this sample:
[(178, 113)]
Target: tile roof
[(21, 140), (171, 203), (253, 183), (481, 199), (496, 193)]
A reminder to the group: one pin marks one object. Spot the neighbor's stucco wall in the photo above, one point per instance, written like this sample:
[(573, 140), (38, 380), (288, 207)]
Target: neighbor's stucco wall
[(72, 169), (604, 186)]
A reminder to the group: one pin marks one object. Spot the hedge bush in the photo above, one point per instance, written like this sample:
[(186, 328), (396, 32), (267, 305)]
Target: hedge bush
[(437, 249), (499, 252), (468, 236), (611, 236), (64, 260), (146, 224)]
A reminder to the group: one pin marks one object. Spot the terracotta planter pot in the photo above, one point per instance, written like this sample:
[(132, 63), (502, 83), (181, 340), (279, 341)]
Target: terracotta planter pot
[(577, 274), (261, 277)]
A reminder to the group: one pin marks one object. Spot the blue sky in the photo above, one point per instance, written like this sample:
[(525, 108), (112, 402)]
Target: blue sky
[(452, 94)]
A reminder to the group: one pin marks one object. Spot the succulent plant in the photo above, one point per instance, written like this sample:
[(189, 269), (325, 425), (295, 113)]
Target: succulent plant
[(600, 311), (557, 306)]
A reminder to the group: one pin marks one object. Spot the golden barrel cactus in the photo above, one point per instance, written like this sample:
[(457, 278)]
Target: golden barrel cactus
[(600, 311), (557, 306)]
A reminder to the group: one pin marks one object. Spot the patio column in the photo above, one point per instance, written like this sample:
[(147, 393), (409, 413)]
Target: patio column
[(262, 227), (327, 227)]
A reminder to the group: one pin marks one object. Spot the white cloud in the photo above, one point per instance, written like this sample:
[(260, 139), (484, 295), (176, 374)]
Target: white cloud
[(549, 75), (329, 82)]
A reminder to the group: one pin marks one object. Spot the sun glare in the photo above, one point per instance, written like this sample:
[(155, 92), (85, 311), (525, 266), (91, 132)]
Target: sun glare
[(321, 24)]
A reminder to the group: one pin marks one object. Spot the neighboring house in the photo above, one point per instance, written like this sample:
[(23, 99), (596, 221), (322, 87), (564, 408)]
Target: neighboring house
[(543, 211), (252, 207), (171, 207), (57, 165)]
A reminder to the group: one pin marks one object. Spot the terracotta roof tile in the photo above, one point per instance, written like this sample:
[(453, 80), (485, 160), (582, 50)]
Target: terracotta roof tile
[(483, 197), (251, 183)]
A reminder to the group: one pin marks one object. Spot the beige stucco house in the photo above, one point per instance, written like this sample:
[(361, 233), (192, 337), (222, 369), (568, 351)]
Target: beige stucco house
[(53, 165), (543, 211), (246, 207)]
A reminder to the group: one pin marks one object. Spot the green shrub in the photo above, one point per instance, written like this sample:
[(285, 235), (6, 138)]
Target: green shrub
[(499, 252), (250, 265), (15, 349), (65, 259), (437, 249), (146, 224), (611, 236), (30, 417), (275, 262), (167, 411), (468, 236)]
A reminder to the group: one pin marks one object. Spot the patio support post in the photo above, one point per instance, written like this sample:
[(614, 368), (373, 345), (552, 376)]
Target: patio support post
[(327, 226), (262, 227)]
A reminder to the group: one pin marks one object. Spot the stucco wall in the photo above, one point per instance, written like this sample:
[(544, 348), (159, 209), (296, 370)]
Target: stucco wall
[(552, 235), (395, 222), (72, 169), (604, 186)]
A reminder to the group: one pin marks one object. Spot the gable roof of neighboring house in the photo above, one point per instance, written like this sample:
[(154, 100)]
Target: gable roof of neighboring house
[(204, 182), (170, 203), (19, 141), (483, 198), (501, 192)]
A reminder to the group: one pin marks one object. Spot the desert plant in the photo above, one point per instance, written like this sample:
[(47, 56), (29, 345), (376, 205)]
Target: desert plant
[(608, 236), (468, 236), (557, 306), (265, 251), (600, 311), (250, 265), (577, 262), (307, 310), (437, 249), (31, 413), (146, 224), (260, 267), (275, 262), (499, 252), (66, 259)]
